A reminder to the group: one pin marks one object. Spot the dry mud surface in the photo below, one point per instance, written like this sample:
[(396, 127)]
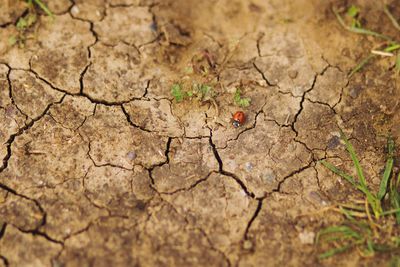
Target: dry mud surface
[(101, 167)]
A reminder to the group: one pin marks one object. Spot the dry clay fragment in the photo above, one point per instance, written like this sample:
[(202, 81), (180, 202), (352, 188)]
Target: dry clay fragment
[(30, 94), (134, 29), (64, 53), (190, 161), (116, 74), (114, 141), (55, 153), (220, 207), (154, 115)]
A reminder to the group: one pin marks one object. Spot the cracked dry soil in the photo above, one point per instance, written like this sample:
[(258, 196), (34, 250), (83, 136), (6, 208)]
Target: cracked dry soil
[(101, 167)]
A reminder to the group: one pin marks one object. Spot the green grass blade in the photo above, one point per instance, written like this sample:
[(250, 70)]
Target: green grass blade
[(388, 170), (361, 64), (354, 158), (392, 47), (391, 17), (344, 231), (359, 30), (394, 196), (333, 252), (339, 172), (398, 63), (43, 7), (390, 211)]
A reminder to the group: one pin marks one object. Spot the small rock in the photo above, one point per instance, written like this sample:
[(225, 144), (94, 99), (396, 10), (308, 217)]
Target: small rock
[(248, 166), (307, 238), (316, 198), (247, 245), (333, 142), (75, 10), (355, 91), (131, 155), (269, 176)]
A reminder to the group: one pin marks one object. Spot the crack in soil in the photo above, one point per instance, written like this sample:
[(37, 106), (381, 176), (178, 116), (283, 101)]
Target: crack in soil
[(278, 187), (256, 212), (264, 77), (190, 187), (3, 230), (5, 260), (10, 91), (22, 130), (42, 234), (226, 173), (190, 227), (303, 98), (150, 170), (105, 164)]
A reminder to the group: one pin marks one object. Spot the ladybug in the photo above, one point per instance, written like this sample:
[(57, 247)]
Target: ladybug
[(238, 119)]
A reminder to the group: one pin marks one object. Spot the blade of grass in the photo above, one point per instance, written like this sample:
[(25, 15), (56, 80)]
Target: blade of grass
[(390, 212), (398, 63), (359, 30), (395, 196), (354, 158), (392, 47), (43, 7), (333, 252), (373, 201), (343, 230), (388, 170), (339, 172), (390, 16), (361, 64)]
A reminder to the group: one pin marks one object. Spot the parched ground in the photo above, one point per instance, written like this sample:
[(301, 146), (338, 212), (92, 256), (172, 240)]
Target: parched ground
[(101, 167)]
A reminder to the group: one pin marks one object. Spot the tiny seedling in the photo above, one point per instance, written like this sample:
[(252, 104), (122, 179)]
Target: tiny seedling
[(199, 91), (368, 222), (176, 91), (352, 12), (239, 100), (26, 22)]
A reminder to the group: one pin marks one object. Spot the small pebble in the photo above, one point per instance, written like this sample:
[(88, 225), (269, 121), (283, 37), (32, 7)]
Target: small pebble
[(131, 155), (333, 142), (248, 166), (247, 245), (269, 176), (307, 238), (75, 10)]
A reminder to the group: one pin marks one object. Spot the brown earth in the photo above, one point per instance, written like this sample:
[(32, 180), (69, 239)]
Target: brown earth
[(101, 167)]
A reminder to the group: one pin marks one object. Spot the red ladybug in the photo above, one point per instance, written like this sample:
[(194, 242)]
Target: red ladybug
[(238, 119)]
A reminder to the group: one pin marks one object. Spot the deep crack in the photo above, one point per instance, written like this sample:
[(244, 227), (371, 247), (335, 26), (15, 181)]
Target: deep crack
[(226, 173), (250, 223)]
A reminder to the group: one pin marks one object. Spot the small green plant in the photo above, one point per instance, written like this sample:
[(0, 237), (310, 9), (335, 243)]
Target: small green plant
[(370, 232), (199, 91), (353, 12), (26, 22), (239, 100), (356, 27), (176, 91)]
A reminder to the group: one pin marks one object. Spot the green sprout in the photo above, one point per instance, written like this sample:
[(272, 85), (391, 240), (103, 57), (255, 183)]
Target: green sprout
[(177, 92), (353, 12), (26, 22), (202, 92), (239, 100)]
